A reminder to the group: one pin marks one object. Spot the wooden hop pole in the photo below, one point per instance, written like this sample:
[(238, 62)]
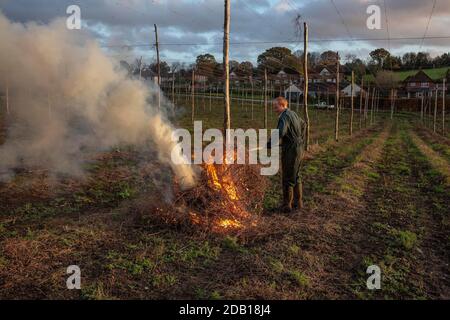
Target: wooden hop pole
[(421, 108), (265, 99), (193, 96), (7, 97), (372, 106), (305, 85), (226, 51), (336, 127), (444, 91), (251, 83), (351, 103), (435, 111), (361, 95), (158, 66), (226, 67)]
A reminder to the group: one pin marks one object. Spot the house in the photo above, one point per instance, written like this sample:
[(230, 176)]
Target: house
[(293, 92), (419, 85), (347, 91), (325, 74), (286, 76)]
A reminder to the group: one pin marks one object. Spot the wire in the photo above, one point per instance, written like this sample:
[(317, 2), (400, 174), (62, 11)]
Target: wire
[(279, 42), (428, 24), (342, 19)]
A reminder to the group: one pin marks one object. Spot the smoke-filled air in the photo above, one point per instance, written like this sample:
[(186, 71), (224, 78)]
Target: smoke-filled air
[(67, 97)]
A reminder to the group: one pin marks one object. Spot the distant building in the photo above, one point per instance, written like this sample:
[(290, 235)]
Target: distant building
[(419, 85), (293, 92), (347, 91)]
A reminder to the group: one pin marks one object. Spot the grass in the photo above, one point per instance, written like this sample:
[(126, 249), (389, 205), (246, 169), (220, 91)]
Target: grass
[(434, 74), (125, 258), (401, 211)]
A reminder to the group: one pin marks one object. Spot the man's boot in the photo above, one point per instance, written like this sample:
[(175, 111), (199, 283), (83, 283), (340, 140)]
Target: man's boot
[(288, 198), (298, 196)]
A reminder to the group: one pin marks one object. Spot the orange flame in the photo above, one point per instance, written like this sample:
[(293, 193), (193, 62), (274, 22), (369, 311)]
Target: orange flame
[(222, 181)]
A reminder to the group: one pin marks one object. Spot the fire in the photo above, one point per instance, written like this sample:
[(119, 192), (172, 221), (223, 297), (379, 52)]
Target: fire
[(221, 180), (227, 183), (229, 223), (212, 174)]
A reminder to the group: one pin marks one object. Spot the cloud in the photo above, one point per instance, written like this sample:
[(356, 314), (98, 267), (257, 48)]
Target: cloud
[(201, 22)]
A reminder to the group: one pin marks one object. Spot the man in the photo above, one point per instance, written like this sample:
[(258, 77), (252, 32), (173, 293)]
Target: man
[(292, 132)]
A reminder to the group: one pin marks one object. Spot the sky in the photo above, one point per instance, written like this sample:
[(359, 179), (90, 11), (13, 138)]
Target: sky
[(188, 28)]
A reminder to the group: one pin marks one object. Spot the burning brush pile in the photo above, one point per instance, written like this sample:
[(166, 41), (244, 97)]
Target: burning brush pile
[(227, 198)]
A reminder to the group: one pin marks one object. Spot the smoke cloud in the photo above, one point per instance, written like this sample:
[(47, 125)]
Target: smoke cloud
[(68, 98)]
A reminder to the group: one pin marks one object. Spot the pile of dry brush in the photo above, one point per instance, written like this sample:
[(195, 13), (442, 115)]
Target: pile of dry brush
[(209, 208)]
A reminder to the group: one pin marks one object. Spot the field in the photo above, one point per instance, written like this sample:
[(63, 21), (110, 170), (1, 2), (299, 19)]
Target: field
[(435, 74), (381, 196)]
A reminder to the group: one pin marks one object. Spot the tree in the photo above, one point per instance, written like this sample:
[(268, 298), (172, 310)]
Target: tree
[(393, 63), (423, 60), (272, 59), (164, 67), (442, 61), (387, 79), (329, 57), (356, 65), (379, 56), (234, 65), (206, 64), (126, 66), (409, 60), (246, 68), (205, 58)]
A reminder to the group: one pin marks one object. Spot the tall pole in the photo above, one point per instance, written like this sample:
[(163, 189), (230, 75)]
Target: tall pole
[(421, 108), (336, 128), (173, 88), (305, 84), (140, 68), (226, 71), (158, 66), (157, 56), (7, 96), (444, 91), (193, 96), (372, 106), (361, 102), (366, 107), (251, 83), (210, 99), (265, 99), (435, 111), (352, 103)]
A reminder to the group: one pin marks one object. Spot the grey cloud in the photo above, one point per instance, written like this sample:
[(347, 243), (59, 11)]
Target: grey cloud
[(182, 21)]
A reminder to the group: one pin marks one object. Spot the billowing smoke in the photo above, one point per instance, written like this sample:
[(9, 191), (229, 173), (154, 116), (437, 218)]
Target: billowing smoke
[(67, 97)]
